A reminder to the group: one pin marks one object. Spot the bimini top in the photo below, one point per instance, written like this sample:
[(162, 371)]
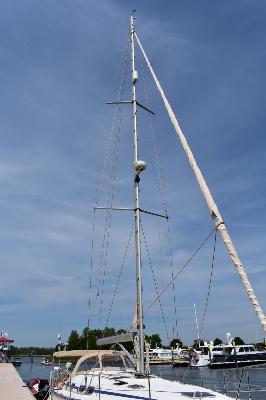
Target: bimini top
[(101, 360), (72, 353)]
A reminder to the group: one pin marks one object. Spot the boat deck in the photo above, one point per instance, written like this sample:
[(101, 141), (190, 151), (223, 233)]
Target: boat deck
[(12, 386)]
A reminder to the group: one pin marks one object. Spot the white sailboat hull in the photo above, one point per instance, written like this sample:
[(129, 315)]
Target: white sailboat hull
[(112, 386)]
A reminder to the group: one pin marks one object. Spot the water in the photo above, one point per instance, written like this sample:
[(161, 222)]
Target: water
[(28, 370), (223, 380), (219, 380)]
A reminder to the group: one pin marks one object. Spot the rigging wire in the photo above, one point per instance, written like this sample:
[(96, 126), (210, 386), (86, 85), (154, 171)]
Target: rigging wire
[(155, 282), (105, 243), (119, 275), (100, 176), (109, 213), (210, 283), (162, 190), (180, 271), (182, 268), (175, 327), (104, 255), (158, 165), (91, 270)]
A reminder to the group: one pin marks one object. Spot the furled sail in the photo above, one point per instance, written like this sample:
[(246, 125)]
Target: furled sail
[(215, 214)]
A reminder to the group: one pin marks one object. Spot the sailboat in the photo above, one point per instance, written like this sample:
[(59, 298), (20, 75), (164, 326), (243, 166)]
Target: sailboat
[(112, 374)]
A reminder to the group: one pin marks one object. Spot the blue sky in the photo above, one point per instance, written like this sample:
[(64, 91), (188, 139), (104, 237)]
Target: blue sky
[(59, 65)]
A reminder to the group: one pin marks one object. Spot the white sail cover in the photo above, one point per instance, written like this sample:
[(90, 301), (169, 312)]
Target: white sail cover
[(216, 216), (124, 337)]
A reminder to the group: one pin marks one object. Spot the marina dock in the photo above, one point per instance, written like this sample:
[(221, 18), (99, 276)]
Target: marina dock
[(12, 386)]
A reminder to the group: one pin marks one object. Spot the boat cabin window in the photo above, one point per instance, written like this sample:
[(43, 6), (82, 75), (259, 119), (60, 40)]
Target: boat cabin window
[(165, 354), (247, 349), (112, 361), (251, 348), (89, 363), (228, 350)]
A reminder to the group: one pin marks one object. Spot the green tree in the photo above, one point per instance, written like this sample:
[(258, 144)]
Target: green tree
[(121, 331), (238, 341), (74, 341), (197, 342), (217, 342), (28, 350), (176, 342), (154, 340), (89, 337), (108, 332)]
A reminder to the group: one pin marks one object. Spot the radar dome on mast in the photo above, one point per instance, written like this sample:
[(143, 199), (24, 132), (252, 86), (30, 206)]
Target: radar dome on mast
[(139, 166)]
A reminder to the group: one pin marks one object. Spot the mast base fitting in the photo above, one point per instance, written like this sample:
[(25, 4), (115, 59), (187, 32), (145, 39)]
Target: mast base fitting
[(139, 166), (140, 375)]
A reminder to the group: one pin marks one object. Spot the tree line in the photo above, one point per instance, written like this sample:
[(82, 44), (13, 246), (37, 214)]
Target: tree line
[(86, 340), (34, 351)]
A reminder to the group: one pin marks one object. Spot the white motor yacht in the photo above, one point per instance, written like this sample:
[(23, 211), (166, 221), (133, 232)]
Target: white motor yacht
[(176, 356), (202, 356), (46, 361), (238, 356)]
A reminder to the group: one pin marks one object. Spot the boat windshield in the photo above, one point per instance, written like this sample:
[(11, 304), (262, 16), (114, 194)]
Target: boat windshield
[(89, 363), (113, 361)]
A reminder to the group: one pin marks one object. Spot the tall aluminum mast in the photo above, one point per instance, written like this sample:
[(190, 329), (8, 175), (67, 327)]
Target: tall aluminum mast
[(139, 166)]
